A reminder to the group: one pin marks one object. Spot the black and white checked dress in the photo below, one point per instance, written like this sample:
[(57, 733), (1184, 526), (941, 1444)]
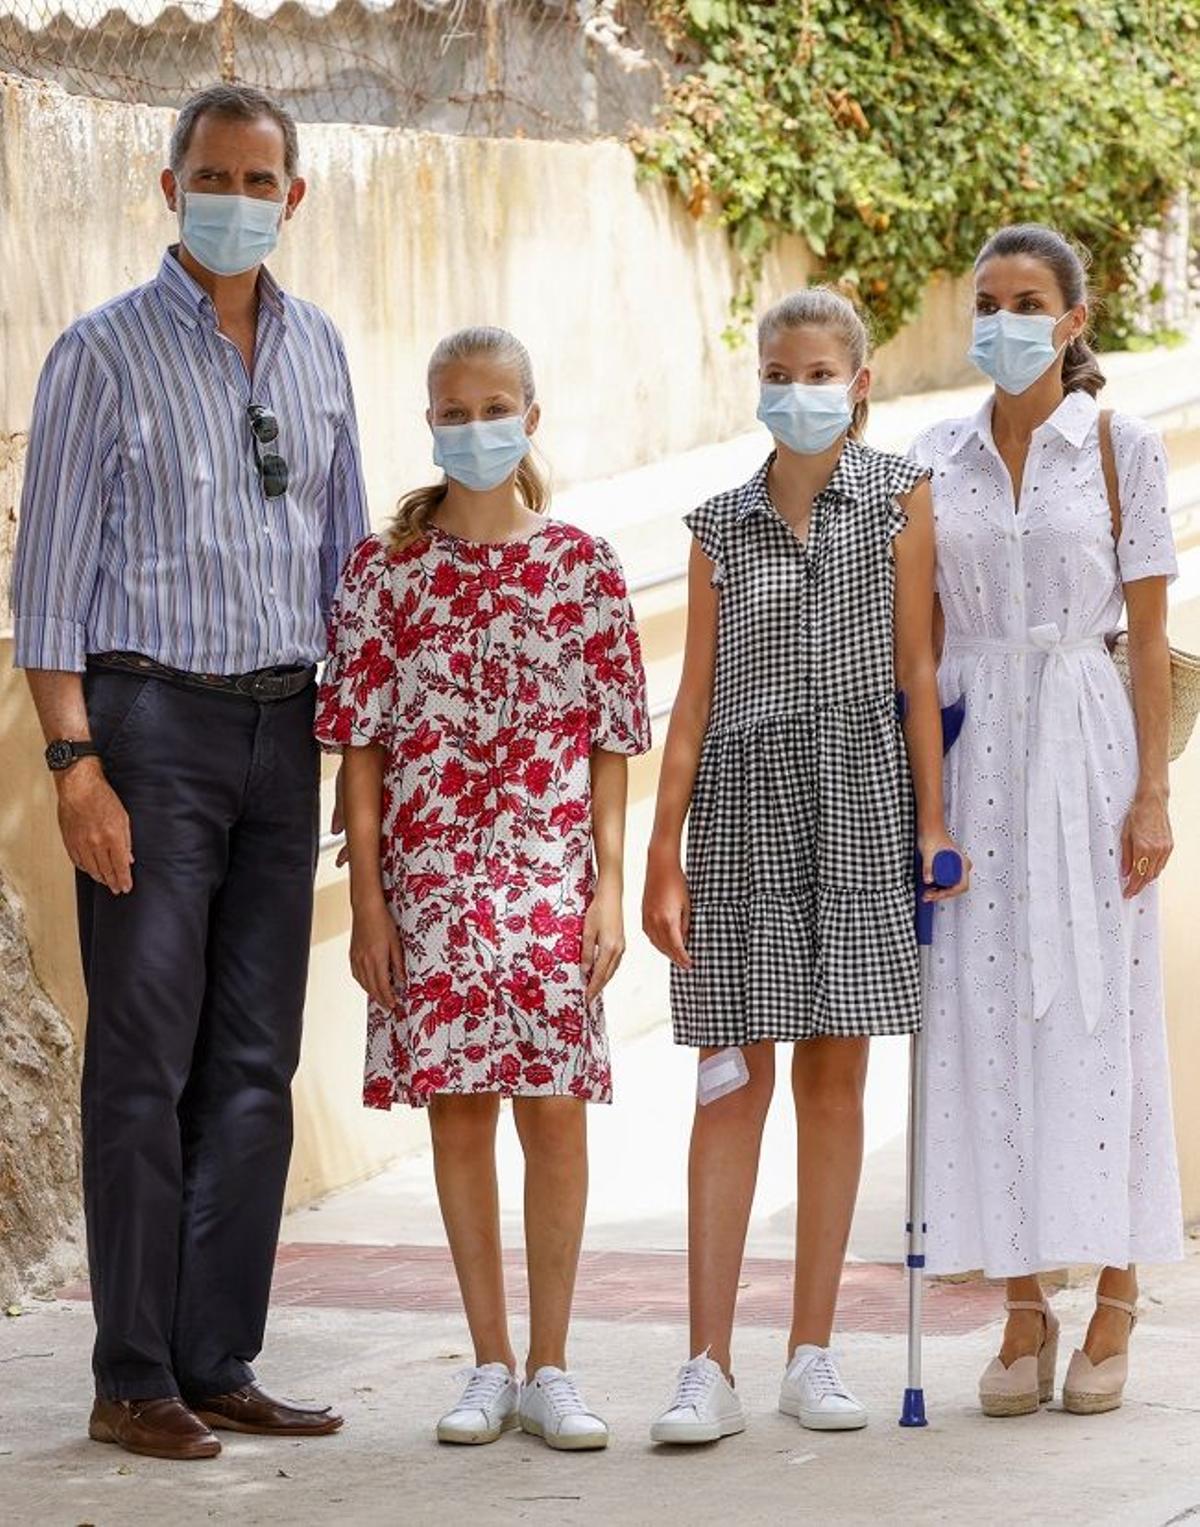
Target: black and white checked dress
[(800, 831)]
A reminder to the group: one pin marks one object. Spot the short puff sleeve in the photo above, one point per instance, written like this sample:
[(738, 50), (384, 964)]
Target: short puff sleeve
[(904, 474), (1147, 547), (356, 703), (705, 524), (618, 714)]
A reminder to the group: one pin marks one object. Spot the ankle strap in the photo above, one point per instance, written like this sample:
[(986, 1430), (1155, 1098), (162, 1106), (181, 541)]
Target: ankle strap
[(1039, 1305), (1118, 1304)]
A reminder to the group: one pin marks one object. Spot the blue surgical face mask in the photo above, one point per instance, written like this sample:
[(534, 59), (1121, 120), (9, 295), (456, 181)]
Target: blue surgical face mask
[(481, 455), (806, 417), (1014, 349), (229, 234)]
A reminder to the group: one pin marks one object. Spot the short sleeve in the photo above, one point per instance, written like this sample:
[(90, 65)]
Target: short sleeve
[(705, 525), (356, 703), (920, 452), (903, 476), (618, 714), (1147, 546)]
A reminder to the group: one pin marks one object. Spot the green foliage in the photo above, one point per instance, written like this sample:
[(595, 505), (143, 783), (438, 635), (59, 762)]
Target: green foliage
[(896, 135)]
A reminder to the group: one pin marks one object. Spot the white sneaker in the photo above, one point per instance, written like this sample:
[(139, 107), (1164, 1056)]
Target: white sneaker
[(552, 1408), (704, 1407), (488, 1406), (813, 1390)]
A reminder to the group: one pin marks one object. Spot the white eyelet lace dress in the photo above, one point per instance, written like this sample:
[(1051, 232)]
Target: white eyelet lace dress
[(1050, 1137)]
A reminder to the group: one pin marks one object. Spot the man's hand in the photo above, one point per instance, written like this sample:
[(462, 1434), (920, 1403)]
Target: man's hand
[(95, 826)]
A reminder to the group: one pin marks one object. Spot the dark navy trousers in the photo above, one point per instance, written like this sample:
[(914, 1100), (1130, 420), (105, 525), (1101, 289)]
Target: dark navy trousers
[(195, 987)]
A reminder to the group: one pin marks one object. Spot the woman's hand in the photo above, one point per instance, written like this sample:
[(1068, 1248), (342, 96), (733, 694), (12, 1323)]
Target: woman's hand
[(667, 908), (376, 955), (603, 937), (1146, 842), (929, 845), (338, 821)]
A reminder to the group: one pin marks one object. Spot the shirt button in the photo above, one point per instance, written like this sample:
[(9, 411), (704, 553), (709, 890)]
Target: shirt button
[(271, 590)]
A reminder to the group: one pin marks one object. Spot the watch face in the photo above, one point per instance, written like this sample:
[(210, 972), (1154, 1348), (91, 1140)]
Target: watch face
[(60, 755)]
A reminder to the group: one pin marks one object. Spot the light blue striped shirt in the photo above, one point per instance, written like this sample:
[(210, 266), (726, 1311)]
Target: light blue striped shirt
[(144, 526)]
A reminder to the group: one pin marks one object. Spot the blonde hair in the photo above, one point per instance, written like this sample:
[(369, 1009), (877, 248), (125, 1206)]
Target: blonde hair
[(416, 509), (821, 307)]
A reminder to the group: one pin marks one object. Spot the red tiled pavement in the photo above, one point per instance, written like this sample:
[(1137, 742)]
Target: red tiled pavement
[(612, 1285)]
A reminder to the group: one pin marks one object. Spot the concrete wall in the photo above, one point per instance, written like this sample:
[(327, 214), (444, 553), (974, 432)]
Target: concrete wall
[(620, 295)]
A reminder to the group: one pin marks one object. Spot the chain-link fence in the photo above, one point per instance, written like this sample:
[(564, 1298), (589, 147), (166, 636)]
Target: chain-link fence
[(539, 68)]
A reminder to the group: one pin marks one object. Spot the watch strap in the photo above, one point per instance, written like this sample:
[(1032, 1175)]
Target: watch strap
[(63, 752)]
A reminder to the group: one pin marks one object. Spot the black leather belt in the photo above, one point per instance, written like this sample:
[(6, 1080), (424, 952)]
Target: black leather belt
[(265, 685)]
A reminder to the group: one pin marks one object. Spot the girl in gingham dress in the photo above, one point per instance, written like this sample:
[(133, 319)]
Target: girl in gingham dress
[(810, 605)]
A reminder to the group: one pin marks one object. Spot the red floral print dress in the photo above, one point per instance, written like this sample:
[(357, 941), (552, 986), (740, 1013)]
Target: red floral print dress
[(489, 672)]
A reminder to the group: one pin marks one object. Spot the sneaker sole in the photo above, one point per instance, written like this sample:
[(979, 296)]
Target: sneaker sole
[(815, 1421), (476, 1439), (689, 1433), (585, 1442)]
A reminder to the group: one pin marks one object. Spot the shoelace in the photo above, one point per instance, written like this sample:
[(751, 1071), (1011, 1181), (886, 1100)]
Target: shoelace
[(482, 1389), (823, 1377), (563, 1397), (695, 1381)]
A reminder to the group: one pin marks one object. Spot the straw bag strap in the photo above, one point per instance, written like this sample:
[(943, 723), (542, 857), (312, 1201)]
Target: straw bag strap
[(1108, 460)]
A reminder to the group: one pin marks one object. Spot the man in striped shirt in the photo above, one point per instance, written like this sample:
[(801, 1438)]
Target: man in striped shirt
[(193, 486)]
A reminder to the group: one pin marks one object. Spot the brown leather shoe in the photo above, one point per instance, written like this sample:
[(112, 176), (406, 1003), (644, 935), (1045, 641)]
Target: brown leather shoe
[(154, 1428), (250, 1409)]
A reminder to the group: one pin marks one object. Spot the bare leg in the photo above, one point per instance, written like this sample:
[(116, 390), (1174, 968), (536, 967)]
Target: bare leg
[(553, 1133), (1024, 1329), (463, 1129), (828, 1077), (722, 1171), (1108, 1332)]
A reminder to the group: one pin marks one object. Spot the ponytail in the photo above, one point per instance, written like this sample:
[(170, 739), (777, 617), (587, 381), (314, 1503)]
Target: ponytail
[(1081, 370)]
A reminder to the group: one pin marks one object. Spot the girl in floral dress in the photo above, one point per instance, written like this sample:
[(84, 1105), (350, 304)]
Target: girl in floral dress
[(485, 687)]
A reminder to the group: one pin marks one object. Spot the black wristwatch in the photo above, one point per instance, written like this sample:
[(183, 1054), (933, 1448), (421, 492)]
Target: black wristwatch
[(61, 755)]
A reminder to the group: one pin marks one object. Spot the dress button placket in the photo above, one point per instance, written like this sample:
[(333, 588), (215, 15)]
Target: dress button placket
[(1017, 582)]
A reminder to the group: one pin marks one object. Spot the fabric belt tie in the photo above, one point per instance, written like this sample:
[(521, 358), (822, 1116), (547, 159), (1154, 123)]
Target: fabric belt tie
[(1057, 791)]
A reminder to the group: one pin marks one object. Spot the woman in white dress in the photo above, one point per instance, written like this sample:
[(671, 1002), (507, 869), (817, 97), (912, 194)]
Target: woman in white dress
[(1050, 1138)]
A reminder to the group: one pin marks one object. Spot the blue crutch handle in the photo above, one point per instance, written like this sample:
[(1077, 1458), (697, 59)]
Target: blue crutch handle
[(947, 872)]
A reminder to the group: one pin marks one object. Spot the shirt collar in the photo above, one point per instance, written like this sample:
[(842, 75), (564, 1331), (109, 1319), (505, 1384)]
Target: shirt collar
[(191, 303), (1072, 419), (847, 475), (753, 497), (977, 427)]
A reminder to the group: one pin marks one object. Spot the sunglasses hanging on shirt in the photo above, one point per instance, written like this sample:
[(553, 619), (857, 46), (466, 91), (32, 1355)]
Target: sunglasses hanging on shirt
[(272, 469)]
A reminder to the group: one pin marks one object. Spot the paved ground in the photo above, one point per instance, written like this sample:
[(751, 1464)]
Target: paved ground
[(392, 1370), (366, 1314)]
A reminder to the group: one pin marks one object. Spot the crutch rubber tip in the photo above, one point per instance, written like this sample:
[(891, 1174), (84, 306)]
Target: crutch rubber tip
[(913, 1413)]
